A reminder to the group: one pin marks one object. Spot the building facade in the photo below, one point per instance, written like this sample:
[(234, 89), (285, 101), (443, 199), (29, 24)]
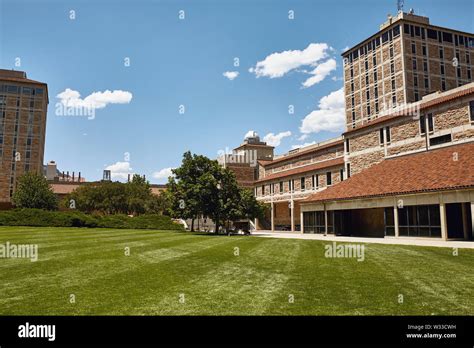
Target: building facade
[(23, 109), (404, 167)]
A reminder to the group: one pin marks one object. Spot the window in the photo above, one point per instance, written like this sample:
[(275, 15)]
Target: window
[(414, 63), (375, 76), (417, 31), (374, 60), (281, 186), (441, 53), (443, 84), (381, 137), (441, 68), (341, 173), (328, 179), (427, 83), (442, 139), (413, 48), (313, 184), (387, 133), (392, 68), (471, 109), (459, 71), (347, 146), (263, 190), (425, 66), (290, 188), (432, 34), (317, 180), (416, 221), (348, 170), (391, 52), (467, 58), (366, 65), (396, 30), (468, 74), (376, 92), (447, 37), (417, 95), (393, 84), (368, 111), (415, 80), (430, 123), (385, 37), (303, 184), (423, 48)]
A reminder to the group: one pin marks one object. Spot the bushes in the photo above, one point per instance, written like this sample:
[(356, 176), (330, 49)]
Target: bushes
[(43, 218)]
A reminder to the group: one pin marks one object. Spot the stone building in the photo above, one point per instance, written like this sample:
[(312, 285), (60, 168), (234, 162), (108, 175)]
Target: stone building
[(404, 167), (23, 108)]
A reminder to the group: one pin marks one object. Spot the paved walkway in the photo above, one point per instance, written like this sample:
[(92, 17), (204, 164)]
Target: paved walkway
[(396, 241)]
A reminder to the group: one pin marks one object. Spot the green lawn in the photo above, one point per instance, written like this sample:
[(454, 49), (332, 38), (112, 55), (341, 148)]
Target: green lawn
[(91, 264)]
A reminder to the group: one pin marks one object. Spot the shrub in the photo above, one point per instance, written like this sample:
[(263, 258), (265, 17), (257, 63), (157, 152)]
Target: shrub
[(44, 218)]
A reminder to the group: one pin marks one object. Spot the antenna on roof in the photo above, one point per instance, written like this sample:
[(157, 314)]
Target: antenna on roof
[(400, 5)]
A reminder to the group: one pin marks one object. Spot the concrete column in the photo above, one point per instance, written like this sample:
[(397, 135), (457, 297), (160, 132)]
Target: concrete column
[(256, 224), (325, 221), (301, 222), (292, 209), (273, 217), (395, 220), (443, 220), (465, 226)]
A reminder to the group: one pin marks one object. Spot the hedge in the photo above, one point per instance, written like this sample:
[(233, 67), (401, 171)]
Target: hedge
[(44, 218)]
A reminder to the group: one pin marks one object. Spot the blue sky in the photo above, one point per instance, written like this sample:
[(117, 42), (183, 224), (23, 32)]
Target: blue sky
[(177, 62)]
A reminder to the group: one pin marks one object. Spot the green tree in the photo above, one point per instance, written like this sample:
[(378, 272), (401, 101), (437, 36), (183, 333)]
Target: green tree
[(33, 191), (139, 195)]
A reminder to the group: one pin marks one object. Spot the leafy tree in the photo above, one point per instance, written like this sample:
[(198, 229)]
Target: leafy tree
[(33, 191), (139, 194)]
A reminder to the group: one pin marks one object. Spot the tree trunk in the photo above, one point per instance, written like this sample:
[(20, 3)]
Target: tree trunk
[(192, 225)]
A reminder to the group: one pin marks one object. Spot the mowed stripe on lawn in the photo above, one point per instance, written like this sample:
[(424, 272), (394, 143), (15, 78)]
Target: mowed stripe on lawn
[(268, 276)]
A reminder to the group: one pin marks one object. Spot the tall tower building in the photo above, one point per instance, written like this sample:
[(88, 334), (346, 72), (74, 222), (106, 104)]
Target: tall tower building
[(405, 60), (23, 108)]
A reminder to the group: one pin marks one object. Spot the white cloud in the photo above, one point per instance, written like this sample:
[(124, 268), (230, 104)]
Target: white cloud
[(279, 63), (320, 72), (275, 139), (120, 170), (302, 145), (329, 117), (163, 174), (231, 74), (96, 100)]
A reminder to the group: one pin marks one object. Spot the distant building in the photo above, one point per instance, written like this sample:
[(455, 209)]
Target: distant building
[(23, 109)]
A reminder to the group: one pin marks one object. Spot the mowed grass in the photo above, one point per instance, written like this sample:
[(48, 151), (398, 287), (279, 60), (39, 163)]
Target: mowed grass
[(166, 267)]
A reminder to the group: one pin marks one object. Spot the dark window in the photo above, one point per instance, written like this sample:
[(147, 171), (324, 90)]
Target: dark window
[(381, 138), (443, 84), (447, 37), (425, 66), (471, 109), (396, 30), (427, 83), (341, 173), (375, 76), (413, 48), (348, 170), (313, 183), (374, 60), (415, 80), (468, 74), (467, 58), (328, 179), (347, 146), (414, 63), (317, 180), (430, 123), (423, 48), (416, 221), (391, 52), (441, 68), (406, 28), (281, 186), (385, 37), (368, 110), (303, 184), (441, 53), (422, 124), (459, 71), (432, 34), (442, 139), (423, 33), (417, 31), (263, 190), (366, 65), (27, 90), (387, 132)]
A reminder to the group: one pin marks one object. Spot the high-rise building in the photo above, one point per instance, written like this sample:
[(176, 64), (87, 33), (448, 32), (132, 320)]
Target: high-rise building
[(405, 60), (23, 108)]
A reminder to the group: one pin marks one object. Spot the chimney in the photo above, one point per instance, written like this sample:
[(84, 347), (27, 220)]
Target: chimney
[(67, 175), (72, 176), (79, 177)]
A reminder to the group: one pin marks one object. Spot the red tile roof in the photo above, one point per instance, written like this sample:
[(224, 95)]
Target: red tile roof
[(304, 169), (434, 170)]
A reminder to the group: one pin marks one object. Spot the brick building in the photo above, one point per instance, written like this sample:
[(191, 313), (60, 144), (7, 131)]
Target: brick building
[(404, 167), (23, 108)]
